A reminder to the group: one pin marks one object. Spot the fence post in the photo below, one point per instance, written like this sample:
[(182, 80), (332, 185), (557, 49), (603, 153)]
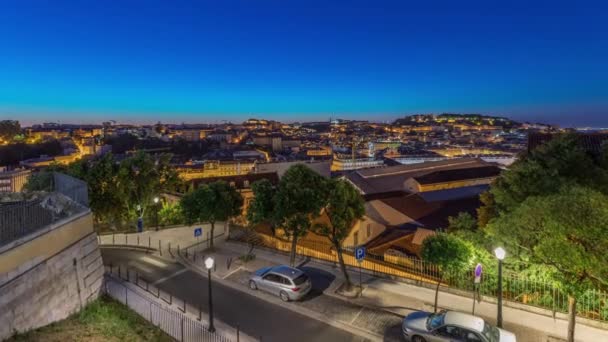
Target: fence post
[(126, 239), (149, 241), (160, 249), (113, 239), (137, 240), (182, 329)]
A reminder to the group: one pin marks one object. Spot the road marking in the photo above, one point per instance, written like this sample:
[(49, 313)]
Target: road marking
[(154, 262), (170, 276), (356, 316), (232, 272)]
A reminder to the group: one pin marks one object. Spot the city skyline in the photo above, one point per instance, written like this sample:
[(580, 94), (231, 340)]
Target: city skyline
[(143, 62)]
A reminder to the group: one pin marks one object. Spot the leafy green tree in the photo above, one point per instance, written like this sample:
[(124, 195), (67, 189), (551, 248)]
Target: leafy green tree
[(262, 207), (141, 177), (211, 203), (565, 232), (344, 208), (170, 213), (300, 198), (463, 222), (560, 162), (448, 252), (9, 129), (105, 195)]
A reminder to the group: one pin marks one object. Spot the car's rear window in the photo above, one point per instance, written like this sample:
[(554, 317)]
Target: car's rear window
[(301, 279)]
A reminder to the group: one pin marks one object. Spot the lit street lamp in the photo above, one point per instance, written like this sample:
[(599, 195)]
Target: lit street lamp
[(500, 255), (209, 265), (156, 199)]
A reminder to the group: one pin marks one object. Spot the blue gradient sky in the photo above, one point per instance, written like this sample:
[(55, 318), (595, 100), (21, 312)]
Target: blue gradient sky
[(207, 61)]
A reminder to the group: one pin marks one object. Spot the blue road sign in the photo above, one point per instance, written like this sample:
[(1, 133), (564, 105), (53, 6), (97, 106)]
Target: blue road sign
[(360, 253), (140, 225), (198, 232)]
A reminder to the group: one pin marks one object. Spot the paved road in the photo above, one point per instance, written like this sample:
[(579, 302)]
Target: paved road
[(255, 316)]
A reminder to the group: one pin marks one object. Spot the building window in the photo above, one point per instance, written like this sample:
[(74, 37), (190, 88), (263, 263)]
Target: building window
[(356, 238), (246, 183), (232, 184), (369, 229)]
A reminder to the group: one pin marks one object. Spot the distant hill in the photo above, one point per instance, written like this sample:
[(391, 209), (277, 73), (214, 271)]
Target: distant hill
[(473, 119)]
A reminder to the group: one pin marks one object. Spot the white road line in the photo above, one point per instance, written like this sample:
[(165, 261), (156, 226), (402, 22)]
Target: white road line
[(170, 276), (356, 316), (232, 272), (154, 262)]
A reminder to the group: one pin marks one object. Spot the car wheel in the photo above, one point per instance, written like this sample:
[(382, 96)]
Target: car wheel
[(418, 339), (284, 296), (253, 285)]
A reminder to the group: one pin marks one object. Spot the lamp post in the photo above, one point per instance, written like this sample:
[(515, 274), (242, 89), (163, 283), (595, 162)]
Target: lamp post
[(209, 265), (156, 199), (500, 255)]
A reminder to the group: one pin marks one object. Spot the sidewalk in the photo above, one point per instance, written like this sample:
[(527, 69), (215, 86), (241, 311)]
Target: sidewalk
[(166, 242), (381, 296)]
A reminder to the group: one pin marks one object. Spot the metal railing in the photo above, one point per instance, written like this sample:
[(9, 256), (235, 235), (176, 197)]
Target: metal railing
[(593, 304), (20, 218), (177, 323)]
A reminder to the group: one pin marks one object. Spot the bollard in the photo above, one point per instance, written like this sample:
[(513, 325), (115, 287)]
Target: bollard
[(126, 239), (113, 242), (149, 242), (138, 240), (160, 249)]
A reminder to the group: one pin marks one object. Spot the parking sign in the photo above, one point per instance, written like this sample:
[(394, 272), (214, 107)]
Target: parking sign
[(360, 253)]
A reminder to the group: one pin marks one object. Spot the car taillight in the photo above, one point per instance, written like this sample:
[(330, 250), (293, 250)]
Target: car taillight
[(295, 289)]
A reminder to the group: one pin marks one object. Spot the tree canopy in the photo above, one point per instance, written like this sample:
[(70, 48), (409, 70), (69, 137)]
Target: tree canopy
[(301, 196), (262, 207), (344, 206), (211, 203)]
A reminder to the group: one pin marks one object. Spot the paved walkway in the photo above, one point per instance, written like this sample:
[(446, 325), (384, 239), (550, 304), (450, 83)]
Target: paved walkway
[(167, 241), (384, 301)]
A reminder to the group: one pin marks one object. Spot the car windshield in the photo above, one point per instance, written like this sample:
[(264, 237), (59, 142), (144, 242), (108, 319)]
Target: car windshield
[(300, 280), (435, 320), (491, 333)]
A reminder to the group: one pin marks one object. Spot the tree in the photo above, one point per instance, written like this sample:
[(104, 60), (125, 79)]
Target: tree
[(447, 252), (463, 222), (211, 203), (567, 233), (262, 207), (9, 129), (545, 170), (300, 198), (344, 206), (141, 177)]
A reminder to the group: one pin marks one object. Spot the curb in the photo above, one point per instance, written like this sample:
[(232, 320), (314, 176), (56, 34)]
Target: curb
[(301, 310)]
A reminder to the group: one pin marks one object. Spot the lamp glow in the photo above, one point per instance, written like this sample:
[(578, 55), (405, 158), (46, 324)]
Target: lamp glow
[(209, 263), (156, 199), (500, 253)]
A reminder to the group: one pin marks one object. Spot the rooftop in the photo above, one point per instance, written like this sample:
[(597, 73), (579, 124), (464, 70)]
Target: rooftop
[(445, 176)]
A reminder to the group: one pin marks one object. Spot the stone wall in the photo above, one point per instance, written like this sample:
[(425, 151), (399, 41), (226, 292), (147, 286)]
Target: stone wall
[(51, 287)]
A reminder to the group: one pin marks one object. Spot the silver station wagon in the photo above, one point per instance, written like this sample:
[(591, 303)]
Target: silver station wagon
[(451, 326), (286, 282)]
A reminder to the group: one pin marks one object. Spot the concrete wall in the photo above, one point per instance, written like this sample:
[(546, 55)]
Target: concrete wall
[(48, 275)]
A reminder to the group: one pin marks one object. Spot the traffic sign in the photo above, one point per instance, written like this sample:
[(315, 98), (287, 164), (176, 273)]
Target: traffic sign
[(198, 232), (360, 253), (478, 273)]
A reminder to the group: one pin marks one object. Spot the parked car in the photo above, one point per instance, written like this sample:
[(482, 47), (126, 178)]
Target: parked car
[(451, 326), (286, 282)]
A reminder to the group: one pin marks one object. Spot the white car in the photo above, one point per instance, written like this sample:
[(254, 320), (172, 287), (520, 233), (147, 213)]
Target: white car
[(451, 326)]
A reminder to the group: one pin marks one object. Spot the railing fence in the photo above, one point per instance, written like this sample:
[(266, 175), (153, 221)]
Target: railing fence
[(593, 304), (176, 323)]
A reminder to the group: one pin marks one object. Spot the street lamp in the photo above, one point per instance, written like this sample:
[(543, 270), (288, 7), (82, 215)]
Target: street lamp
[(500, 255), (209, 265), (156, 199)]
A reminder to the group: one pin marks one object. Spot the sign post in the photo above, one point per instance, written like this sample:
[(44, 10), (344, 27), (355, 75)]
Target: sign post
[(140, 224), (360, 255), (197, 233), (476, 284)]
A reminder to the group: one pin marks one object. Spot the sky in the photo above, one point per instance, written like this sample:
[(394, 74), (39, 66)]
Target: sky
[(209, 61)]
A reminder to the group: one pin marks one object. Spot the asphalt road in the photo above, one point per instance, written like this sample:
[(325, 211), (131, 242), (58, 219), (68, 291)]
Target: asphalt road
[(254, 316)]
